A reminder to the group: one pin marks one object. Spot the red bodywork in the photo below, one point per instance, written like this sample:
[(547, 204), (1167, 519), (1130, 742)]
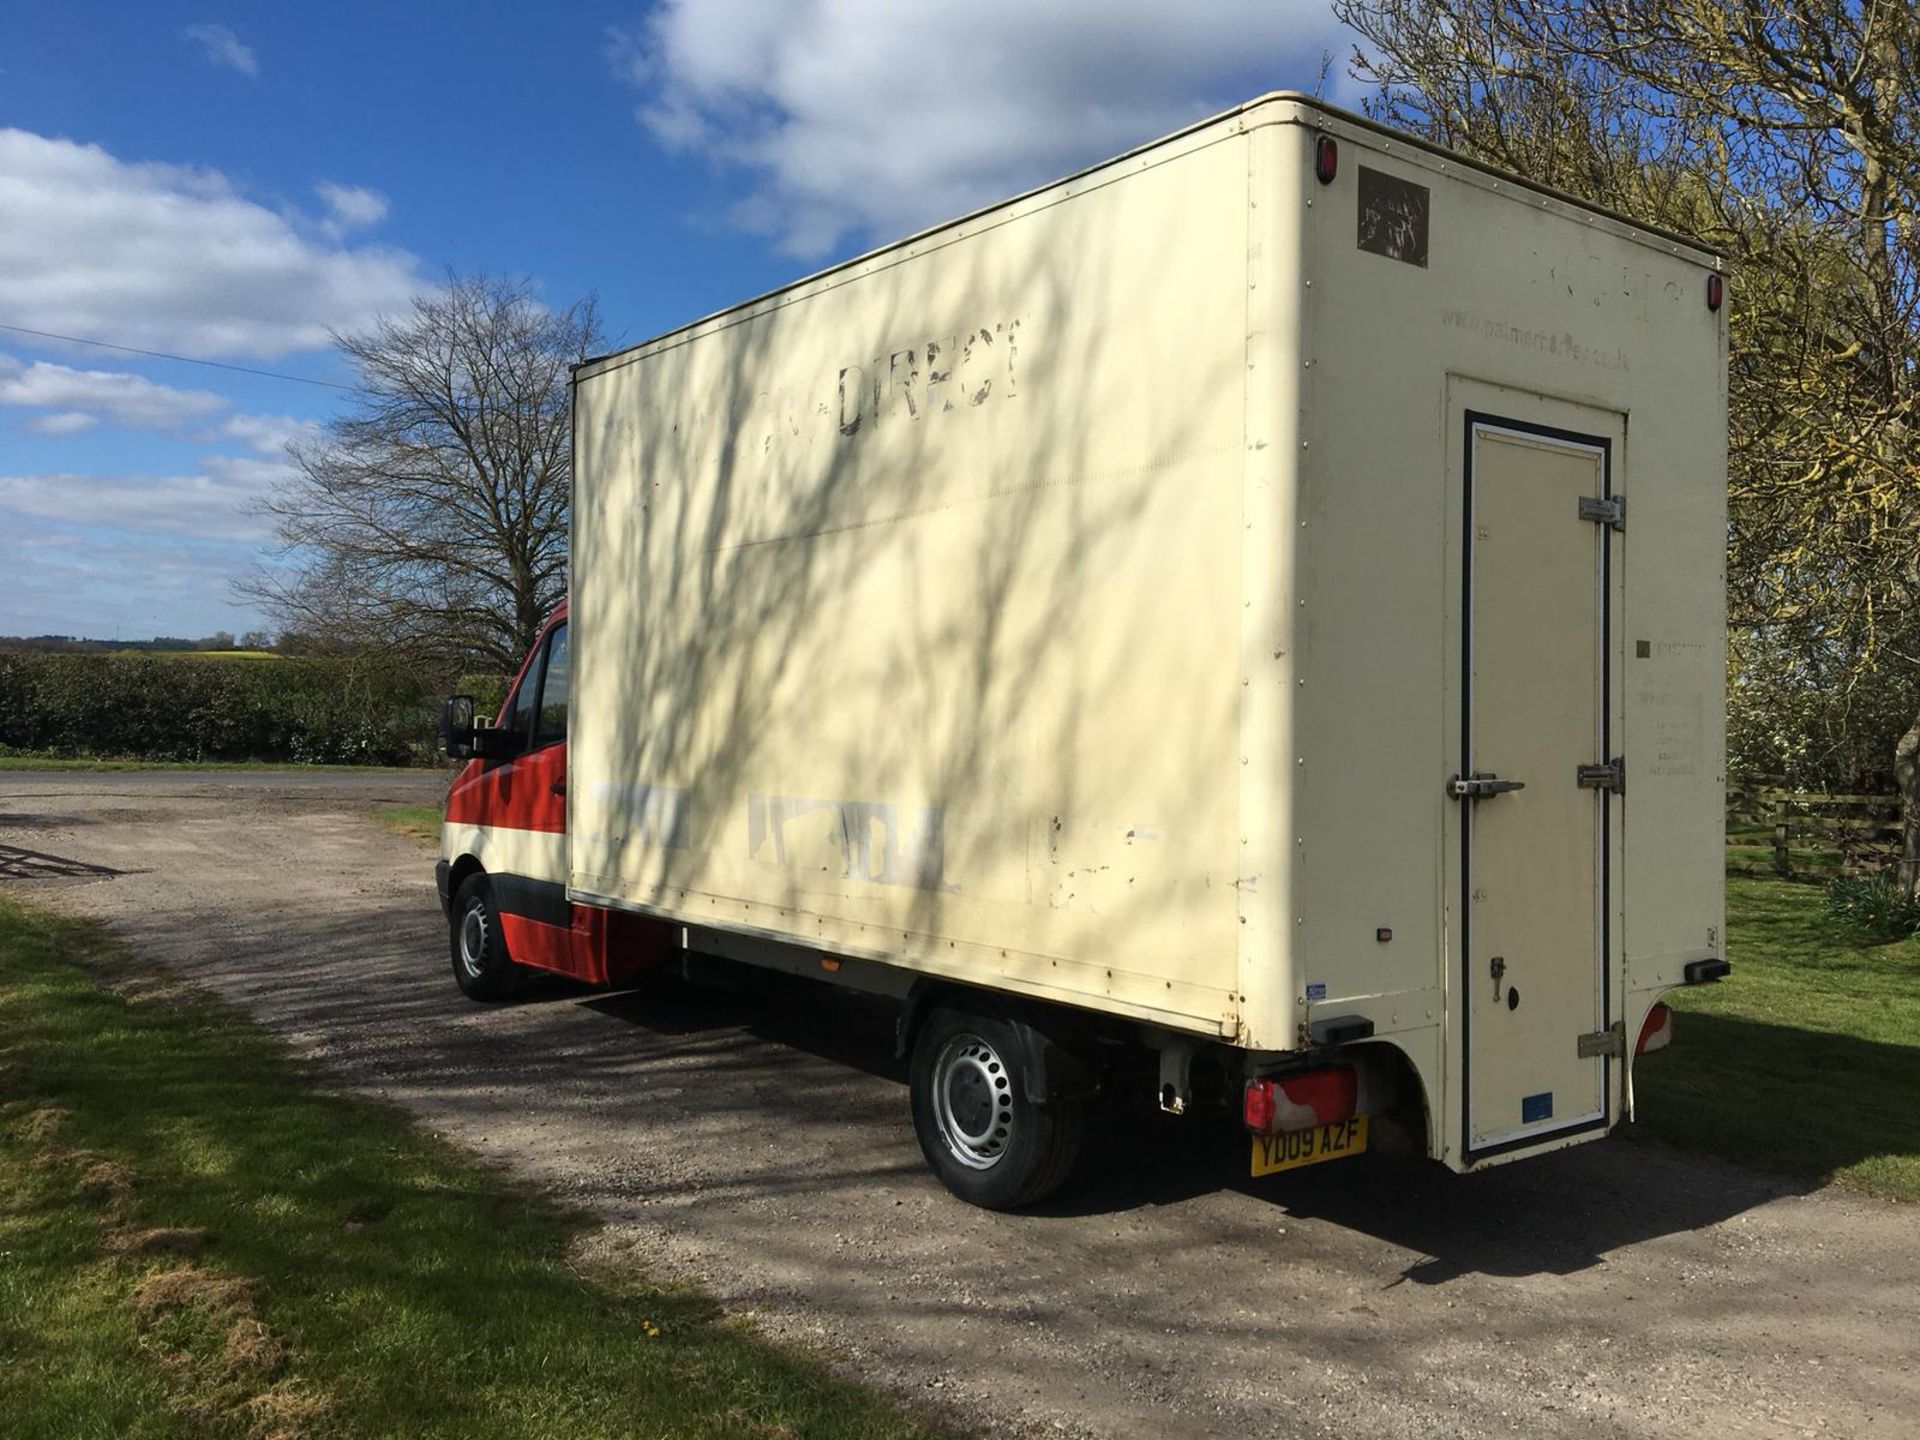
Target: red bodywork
[(543, 928)]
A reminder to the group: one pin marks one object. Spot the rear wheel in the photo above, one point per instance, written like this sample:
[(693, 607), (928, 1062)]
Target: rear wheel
[(481, 966), (984, 1137)]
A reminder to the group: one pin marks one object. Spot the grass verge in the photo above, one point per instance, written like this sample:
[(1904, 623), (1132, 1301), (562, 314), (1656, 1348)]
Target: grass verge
[(1806, 1061), (421, 822), (37, 760), (195, 1240)]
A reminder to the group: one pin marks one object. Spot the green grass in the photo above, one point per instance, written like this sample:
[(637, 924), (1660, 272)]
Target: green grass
[(1806, 1061), (422, 822), (196, 1240), (38, 760)]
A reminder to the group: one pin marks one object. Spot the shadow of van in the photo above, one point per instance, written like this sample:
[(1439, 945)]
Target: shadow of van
[(1811, 1104), (1552, 1214)]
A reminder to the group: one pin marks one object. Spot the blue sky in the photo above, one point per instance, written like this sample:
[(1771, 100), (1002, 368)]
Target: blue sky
[(232, 182)]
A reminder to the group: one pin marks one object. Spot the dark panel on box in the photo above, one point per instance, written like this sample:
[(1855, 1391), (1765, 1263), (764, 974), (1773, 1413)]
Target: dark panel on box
[(1393, 217)]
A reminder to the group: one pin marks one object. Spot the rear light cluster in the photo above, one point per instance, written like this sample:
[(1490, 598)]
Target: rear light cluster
[(1276, 1104), (1656, 1031)]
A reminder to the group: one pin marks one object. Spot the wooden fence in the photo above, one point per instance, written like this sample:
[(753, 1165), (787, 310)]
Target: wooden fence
[(1795, 833)]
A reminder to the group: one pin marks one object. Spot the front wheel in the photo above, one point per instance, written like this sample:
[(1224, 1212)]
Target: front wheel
[(481, 966), (987, 1141)]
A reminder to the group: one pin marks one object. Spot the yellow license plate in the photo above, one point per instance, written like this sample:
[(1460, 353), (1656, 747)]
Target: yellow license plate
[(1309, 1147)]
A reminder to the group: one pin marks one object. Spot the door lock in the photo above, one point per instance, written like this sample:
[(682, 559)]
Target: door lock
[(1479, 785), (1499, 969)]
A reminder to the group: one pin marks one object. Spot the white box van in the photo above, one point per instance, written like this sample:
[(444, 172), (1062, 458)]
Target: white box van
[(1255, 605)]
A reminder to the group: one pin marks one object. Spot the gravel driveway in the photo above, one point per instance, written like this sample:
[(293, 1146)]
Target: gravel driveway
[(761, 1146)]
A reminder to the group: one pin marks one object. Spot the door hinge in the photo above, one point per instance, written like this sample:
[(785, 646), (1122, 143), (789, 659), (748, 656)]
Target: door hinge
[(1610, 776), (1610, 1041), (1611, 511)]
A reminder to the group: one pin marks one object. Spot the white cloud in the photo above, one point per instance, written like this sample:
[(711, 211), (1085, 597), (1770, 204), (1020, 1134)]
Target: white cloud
[(67, 580), (89, 396), (254, 475), (87, 399), (217, 505), (66, 422), (223, 47), (268, 434), (351, 207), (172, 258), (869, 115)]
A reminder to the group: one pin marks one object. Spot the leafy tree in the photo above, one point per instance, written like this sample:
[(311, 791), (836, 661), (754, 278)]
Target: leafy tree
[(1790, 136), (431, 517)]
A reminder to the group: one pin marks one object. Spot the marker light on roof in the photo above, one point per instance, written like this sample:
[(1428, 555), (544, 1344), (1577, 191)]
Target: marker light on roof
[(1326, 159)]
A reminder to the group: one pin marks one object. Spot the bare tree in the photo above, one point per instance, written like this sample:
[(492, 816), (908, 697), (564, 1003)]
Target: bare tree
[(431, 517)]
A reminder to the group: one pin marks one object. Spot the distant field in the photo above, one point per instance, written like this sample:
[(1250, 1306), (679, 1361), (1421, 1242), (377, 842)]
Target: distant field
[(126, 650), (202, 654)]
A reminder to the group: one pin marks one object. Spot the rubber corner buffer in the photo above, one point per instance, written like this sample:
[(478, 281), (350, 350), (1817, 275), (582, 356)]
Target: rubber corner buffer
[(1705, 972), (1339, 1029)]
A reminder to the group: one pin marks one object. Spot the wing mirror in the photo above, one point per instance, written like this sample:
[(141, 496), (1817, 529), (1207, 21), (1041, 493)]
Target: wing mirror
[(456, 727), (464, 735)]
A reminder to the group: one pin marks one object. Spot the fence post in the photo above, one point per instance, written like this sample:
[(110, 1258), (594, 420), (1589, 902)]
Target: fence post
[(1782, 861)]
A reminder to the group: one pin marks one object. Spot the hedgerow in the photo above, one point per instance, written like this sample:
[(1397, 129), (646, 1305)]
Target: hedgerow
[(365, 710)]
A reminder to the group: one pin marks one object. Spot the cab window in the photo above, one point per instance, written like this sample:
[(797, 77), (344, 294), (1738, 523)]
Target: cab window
[(526, 699), (554, 684)]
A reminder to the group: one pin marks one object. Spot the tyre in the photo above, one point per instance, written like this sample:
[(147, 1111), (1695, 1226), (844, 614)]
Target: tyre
[(481, 966), (987, 1141)]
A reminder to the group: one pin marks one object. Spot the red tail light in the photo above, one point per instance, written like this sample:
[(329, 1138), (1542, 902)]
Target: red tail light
[(1258, 1109), (1276, 1104), (1656, 1032)]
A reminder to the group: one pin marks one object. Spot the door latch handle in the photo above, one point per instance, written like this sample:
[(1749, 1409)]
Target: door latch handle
[(558, 787), (1479, 785)]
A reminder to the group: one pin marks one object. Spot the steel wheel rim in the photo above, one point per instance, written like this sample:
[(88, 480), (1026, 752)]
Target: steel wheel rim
[(473, 940), (973, 1102)]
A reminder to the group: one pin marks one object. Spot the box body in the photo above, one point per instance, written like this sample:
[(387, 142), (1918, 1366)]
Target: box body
[(1074, 600)]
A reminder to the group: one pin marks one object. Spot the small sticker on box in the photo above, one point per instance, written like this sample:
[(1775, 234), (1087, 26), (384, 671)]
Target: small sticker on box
[(1316, 992), (1536, 1107)]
